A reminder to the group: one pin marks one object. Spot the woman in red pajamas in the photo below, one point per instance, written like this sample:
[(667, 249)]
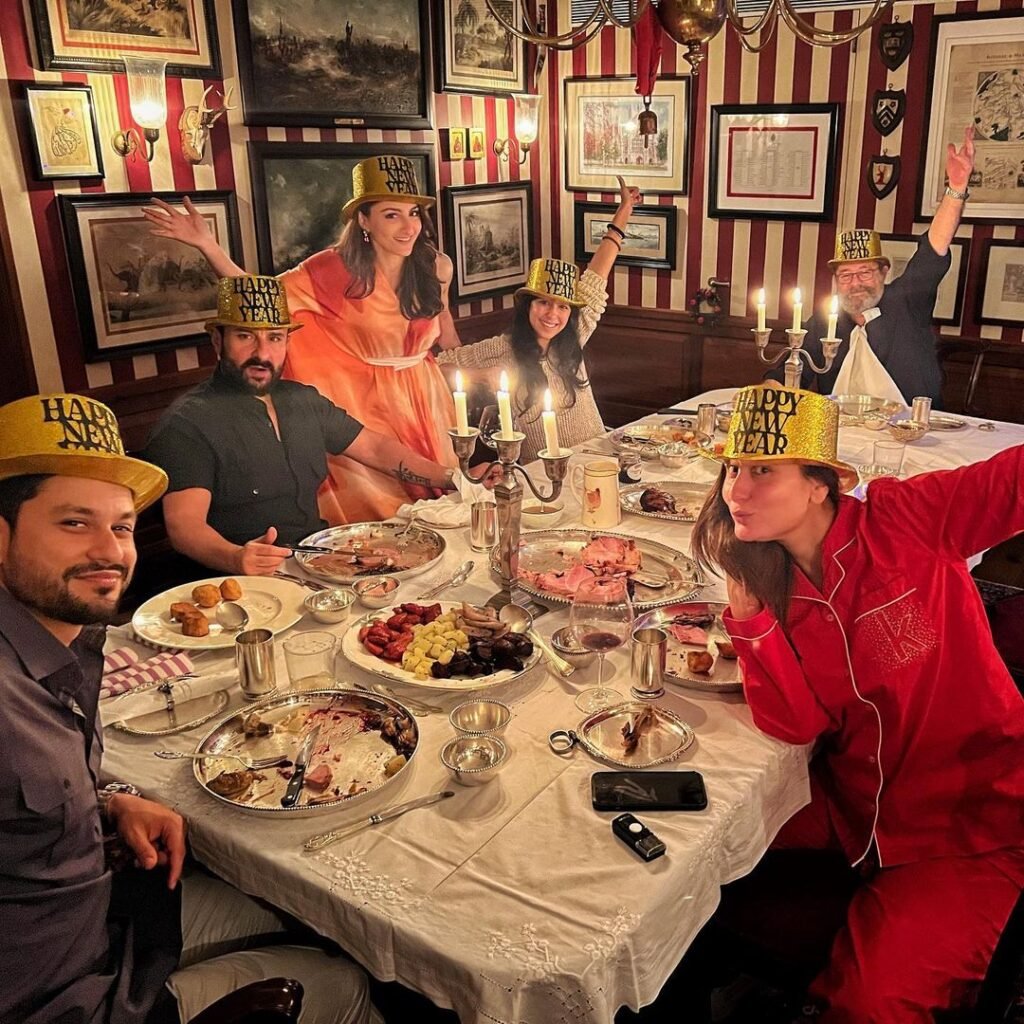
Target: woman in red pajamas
[(859, 628)]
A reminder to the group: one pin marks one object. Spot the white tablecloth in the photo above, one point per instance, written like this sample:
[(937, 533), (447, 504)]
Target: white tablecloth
[(513, 902)]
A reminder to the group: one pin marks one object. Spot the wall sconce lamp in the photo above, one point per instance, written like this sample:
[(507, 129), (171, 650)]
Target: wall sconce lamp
[(527, 122), (148, 99)]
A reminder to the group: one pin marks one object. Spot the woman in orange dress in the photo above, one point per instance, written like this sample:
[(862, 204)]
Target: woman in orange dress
[(373, 306)]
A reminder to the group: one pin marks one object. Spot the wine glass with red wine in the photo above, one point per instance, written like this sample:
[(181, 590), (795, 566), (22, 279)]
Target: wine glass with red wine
[(601, 619)]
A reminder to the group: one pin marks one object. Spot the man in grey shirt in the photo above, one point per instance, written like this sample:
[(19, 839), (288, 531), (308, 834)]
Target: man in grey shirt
[(81, 944)]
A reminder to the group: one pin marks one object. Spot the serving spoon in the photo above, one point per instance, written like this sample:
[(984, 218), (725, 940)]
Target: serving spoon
[(519, 620), (231, 616)]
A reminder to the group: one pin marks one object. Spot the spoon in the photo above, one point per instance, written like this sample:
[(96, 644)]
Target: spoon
[(232, 617), (519, 620), (256, 765)]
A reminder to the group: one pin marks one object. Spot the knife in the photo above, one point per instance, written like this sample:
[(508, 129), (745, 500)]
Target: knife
[(291, 794), (318, 842), (312, 549)]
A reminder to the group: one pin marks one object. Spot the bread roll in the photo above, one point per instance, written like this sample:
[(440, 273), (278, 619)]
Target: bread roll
[(206, 596), (230, 589)]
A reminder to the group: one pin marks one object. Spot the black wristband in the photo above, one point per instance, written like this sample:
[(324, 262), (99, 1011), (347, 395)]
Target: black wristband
[(616, 229)]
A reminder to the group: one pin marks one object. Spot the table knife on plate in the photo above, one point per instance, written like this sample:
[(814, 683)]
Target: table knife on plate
[(291, 795), (318, 842)]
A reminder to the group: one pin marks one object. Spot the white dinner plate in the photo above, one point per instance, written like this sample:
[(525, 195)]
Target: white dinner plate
[(272, 603)]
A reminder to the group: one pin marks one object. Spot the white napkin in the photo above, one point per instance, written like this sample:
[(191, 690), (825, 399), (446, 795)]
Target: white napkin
[(449, 511), (145, 702), (142, 673), (862, 372)]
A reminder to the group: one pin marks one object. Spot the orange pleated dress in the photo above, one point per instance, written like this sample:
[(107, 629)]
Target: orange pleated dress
[(366, 357)]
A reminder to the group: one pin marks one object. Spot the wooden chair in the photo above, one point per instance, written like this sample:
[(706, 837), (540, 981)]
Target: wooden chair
[(270, 1001)]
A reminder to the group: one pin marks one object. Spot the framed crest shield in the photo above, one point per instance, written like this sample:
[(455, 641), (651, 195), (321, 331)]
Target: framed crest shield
[(883, 175), (887, 109), (895, 42)]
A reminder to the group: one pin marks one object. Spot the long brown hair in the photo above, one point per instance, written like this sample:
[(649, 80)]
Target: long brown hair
[(419, 290), (765, 568)]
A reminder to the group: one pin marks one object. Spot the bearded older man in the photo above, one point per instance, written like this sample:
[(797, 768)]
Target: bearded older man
[(888, 343)]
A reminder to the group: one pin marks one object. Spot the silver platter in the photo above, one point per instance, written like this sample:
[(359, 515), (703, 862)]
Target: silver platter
[(184, 716), (937, 421), (555, 550), (414, 549), (689, 497), (724, 676), (600, 735), (354, 754), (647, 438)]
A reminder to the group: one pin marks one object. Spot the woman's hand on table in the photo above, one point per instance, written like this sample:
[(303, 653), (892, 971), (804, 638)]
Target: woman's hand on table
[(154, 833), (742, 604)]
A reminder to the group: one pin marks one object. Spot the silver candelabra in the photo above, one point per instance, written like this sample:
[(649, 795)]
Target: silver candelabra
[(508, 494), (795, 353)]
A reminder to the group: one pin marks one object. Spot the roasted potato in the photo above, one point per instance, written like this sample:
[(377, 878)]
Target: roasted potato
[(206, 596)]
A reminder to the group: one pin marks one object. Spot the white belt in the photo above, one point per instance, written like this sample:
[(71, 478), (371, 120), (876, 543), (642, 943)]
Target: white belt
[(397, 362)]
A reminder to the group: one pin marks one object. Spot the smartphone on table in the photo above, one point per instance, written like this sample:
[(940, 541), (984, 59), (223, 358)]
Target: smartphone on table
[(648, 791)]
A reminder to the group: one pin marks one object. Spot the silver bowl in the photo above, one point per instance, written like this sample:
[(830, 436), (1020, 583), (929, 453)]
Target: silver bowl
[(541, 517), (330, 606), (907, 431), (564, 641), (480, 717), (675, 454), (377, 591), (473, 760)]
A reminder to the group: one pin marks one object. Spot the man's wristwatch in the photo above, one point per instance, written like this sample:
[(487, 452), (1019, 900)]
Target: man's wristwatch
[(112, 789), (954, 193)]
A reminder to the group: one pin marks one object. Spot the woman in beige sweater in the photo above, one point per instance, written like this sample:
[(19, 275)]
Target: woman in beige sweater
[(555, 314)]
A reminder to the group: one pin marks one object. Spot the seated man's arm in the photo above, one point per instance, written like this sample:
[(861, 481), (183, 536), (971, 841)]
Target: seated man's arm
[(378, 451), (185, 515)]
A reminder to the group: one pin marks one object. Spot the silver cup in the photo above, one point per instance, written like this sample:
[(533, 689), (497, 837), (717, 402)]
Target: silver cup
[(483, 525), (706, 413), (254, 658), (647, 662), (921, 411)]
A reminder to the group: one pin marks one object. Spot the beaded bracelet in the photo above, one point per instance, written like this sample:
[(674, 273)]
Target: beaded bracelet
[(616, 229)]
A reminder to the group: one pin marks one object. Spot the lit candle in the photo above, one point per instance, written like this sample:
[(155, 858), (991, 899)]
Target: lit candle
[(504, 407), (833, 319), (550, 426), (461, 416), (761, 310), (798, 310)]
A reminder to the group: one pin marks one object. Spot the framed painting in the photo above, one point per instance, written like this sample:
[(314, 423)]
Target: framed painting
[(476, 144), (1001, 296), (64, 135), (773, 161), (93, 35), (602, 137), (299, 189), (975, 80), (950, 299), (650, 235), (489, 233), (477, 53), (331, 63), (136, 292)]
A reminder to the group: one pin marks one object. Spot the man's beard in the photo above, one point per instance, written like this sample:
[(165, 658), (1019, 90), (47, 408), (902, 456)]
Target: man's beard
[(856, 304), (54, 600), (236, 375)]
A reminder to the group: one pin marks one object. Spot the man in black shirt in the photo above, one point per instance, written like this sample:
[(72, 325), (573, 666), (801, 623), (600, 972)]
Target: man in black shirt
[(246, 451), (896, 319)]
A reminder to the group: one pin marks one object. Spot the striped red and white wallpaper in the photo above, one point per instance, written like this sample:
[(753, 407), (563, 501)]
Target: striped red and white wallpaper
[(750, 254)]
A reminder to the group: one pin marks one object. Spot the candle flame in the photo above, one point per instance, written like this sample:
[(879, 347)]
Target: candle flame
[(797, 297), (547, 399), (458, 380), (503, 384), (760, 297)]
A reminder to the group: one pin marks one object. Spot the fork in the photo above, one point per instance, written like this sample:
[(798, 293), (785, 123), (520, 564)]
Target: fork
[(255, 765), (417, 707)]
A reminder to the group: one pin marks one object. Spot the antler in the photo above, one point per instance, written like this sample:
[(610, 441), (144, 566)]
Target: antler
[(207, 115)]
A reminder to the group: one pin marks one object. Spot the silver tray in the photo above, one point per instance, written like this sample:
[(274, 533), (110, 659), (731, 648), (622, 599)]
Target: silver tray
[(184, 716), (416, 543), (685, 494), (725, 673), (600, 735), (361, 755), (647, 438), (938, 421), (552, 550)]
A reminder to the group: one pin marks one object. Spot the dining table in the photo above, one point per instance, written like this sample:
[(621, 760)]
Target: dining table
[(513, 902)]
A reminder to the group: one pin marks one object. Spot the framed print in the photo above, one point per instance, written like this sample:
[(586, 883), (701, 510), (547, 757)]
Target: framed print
[(299, 189), (950, 298), (477, 53), (476, 144), (602, 138), (93, 35), (489, 233), (976, 61), (650, 235), (453, 142), (773, 161), (64, 135), (136, 292), (1001, 296), (330, 63)]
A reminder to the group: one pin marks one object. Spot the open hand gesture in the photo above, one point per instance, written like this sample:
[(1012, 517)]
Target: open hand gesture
[(189, 227), (960, 162)]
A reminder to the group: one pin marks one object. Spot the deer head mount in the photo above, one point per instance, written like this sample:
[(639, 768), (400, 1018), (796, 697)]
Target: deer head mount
[(195, 124)]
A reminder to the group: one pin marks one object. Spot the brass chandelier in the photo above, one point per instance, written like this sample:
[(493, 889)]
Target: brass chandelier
[(692, 23)]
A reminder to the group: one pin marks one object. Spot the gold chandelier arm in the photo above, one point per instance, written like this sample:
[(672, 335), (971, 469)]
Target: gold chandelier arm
[(561, 41), (629, 22), (815, 36), (764, 26)]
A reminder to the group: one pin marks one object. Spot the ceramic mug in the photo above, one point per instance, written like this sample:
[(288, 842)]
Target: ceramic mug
[(596, 486)]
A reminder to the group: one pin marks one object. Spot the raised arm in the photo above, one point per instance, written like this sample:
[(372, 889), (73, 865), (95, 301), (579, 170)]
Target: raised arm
[(611, 244), (190, 228), (959, 164)]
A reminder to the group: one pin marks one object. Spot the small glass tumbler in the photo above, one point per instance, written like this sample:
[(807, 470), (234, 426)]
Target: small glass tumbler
[(310, 659), (647, 663), (483, 525), (888, 458)]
